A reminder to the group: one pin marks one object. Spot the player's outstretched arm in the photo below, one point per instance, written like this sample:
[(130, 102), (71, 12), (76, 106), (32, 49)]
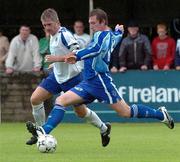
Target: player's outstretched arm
[(51, 58), (118, 34), (94, 48)]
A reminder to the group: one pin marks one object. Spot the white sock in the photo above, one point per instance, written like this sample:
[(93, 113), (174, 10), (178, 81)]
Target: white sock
[(38, 112), (92, 117)]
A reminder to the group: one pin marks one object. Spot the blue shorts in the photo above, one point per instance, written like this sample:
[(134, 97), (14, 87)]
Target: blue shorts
[(100, 87), (51, 85)]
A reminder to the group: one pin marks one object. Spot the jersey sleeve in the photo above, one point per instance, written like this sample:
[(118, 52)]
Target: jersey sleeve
[(118, 34), (69, 41), (94, 47)]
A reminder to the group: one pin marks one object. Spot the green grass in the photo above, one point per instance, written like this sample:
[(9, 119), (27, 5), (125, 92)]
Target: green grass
[(81, 143)]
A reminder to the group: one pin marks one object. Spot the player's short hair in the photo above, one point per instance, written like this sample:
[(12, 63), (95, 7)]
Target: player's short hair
[(100, 15), (51, 14), (162, 25)]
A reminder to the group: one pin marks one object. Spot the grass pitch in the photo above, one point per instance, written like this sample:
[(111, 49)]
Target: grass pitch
[(81, 143)]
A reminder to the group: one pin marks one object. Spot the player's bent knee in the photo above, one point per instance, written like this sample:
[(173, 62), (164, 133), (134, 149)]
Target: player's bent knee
[(66, 100), (34, 100), (61, 101)]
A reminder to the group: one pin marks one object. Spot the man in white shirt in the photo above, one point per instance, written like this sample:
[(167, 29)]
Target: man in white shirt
[(23, 52), (63, 78), (82, 38), (4, 46)]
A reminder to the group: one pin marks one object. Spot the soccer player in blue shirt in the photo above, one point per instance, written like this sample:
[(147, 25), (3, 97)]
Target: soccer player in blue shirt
[(97, 82)]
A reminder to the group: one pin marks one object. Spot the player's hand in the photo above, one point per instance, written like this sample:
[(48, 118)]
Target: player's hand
[(50, 58), (70, 58), (155, 67), (166, 67), (120, 28), (114, 69), (9, 70), (144, 67), (122, 69)]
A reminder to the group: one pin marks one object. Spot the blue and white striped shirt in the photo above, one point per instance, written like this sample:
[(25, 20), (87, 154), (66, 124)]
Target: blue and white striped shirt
[(97, 54)]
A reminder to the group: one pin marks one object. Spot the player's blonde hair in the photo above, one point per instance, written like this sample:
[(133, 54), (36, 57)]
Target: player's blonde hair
[(51, 14)]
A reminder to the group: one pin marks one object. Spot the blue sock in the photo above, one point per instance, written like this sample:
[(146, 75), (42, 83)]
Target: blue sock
[(142, 111), (54, 118)]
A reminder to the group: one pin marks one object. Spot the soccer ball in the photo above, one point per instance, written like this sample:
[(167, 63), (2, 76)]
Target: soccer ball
[(46, 143)]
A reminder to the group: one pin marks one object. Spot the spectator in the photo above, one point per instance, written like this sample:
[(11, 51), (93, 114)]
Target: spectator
[(23, 52), (82, 38), (177, 57), (44, 49), (4, 46), (163, 49), (135, 50)]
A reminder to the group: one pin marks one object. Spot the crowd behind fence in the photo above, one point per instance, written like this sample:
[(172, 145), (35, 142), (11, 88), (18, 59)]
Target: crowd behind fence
[(25, 53)]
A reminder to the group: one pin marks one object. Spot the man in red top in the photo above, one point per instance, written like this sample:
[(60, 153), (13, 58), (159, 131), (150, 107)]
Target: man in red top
[(163, 49)]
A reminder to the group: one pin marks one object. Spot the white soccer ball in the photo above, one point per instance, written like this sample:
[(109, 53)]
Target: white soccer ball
[(46, 143)]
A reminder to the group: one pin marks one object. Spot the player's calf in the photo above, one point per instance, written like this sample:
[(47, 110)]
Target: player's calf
[(122, 109)]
